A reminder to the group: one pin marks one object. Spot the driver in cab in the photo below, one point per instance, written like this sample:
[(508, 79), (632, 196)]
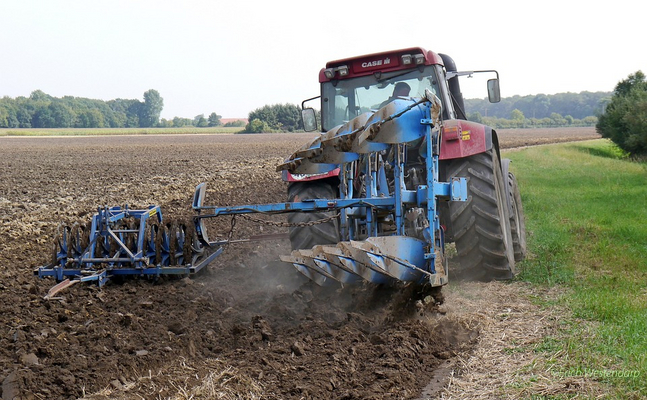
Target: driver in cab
[(401, 89)]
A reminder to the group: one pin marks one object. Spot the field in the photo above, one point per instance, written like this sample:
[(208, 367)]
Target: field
[(121, 131), (245, 328)]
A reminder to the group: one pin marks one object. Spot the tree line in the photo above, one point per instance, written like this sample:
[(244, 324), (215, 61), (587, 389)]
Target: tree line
[(562, 109), (41, 110), (198, 121), (518, 120), (541, 110), (577, 105)]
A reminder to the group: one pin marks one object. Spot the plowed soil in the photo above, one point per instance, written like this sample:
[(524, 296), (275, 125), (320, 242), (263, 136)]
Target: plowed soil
[(247, 327)]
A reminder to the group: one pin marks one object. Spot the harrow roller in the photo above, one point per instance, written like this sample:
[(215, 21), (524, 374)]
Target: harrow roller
[(123, 241)]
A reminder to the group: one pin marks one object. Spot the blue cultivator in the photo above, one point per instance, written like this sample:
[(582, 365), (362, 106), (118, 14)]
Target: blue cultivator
[(121, 241)]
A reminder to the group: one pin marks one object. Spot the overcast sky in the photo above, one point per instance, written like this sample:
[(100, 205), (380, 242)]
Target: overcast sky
[(232, 57)]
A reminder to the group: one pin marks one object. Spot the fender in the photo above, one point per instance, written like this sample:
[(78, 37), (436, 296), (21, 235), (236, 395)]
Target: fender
[(288, 177), (460, 138)]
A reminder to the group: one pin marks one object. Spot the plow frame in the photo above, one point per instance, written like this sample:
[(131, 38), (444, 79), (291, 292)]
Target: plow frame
[(377, 197)]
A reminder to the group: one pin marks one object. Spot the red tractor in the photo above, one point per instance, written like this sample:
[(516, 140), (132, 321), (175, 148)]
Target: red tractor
[(488, 229)]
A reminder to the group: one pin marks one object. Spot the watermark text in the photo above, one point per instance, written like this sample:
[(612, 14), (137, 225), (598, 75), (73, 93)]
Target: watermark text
[(597, 373)]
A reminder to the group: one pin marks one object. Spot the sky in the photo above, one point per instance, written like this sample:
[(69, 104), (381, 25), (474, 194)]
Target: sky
[(232, 57)]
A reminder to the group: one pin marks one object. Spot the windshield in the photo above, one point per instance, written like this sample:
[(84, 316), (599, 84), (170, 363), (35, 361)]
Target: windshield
[(343, 100)]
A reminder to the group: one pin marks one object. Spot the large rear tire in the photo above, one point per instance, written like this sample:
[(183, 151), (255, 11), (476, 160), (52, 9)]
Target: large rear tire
[(305, 237), (480, 227)]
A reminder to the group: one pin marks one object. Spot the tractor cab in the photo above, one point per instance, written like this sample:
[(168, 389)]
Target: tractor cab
[(353, 86)]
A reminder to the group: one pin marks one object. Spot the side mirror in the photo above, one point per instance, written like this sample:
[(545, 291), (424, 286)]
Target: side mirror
[(309, 119), (493, 91)]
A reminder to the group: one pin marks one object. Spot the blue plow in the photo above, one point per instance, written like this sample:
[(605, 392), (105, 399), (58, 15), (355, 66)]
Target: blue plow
[(379, 243)]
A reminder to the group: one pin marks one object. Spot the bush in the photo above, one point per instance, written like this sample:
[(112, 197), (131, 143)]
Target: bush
[(277, 117), (257, 126), (625, 119)]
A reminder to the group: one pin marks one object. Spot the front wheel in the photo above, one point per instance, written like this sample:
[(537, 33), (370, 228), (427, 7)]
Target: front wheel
[(305, 236), (481, 226)]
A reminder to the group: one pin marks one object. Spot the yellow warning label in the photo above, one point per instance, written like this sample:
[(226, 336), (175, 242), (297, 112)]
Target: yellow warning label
[(465, 135), (152, 212)]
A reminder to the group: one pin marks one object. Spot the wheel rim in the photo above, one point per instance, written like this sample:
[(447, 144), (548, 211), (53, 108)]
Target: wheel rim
[(504, 217)]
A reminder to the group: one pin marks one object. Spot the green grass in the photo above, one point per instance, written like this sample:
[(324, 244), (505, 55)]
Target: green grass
[(117, 131), (586, 216)]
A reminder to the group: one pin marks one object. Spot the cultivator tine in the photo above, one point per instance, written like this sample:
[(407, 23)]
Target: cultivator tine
[(61, 245), (58, 287)]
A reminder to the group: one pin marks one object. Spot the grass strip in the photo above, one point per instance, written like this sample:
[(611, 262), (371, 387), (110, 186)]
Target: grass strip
[(586, 215)]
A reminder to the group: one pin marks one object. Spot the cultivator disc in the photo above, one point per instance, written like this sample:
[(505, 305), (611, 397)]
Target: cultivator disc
[(121, 241)]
